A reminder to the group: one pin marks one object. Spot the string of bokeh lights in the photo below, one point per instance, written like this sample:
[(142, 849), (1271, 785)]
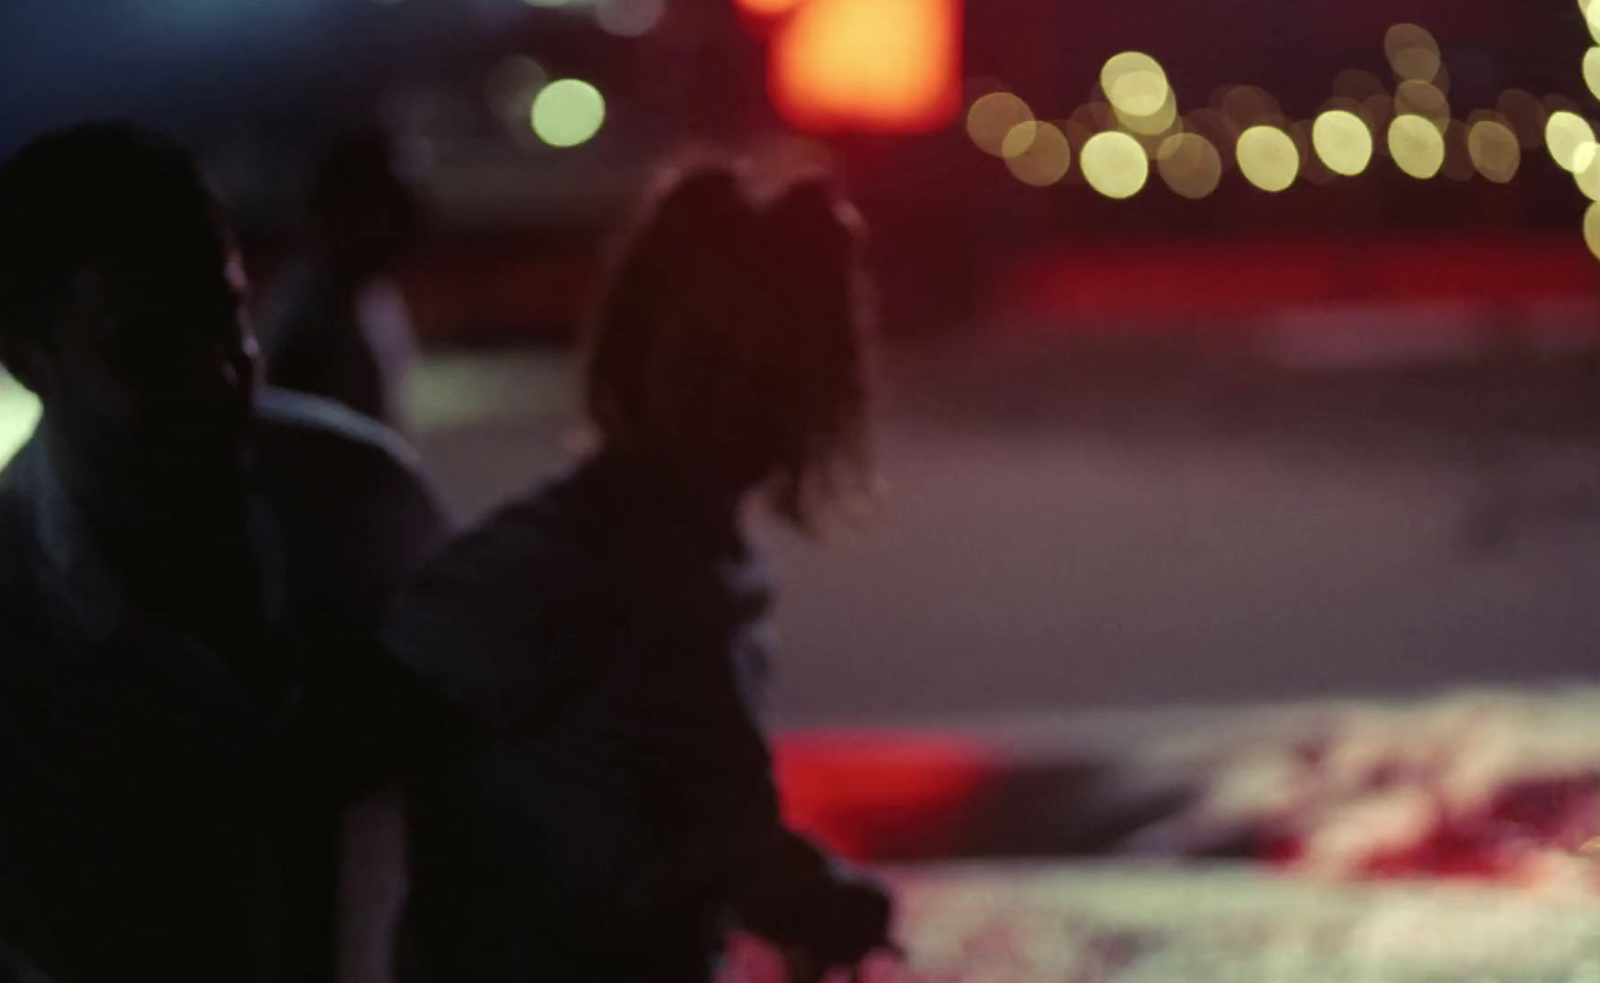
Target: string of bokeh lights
[(1132, 125)]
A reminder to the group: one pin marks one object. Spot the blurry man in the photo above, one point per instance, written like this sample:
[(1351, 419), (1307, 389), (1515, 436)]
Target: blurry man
[(189, 576), (340, 327)]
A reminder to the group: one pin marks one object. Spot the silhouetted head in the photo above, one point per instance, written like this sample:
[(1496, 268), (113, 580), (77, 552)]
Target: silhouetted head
[(731, 347), (122, 300), (364, 214)]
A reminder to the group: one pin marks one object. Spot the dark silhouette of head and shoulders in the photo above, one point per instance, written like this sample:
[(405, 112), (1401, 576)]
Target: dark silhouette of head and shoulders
[(191, 570)]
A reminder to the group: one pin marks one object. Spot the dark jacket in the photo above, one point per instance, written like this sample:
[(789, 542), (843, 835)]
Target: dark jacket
[(159, 818), (617, 801)]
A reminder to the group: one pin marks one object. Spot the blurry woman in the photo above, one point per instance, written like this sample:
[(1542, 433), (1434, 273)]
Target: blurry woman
[(616, 813)]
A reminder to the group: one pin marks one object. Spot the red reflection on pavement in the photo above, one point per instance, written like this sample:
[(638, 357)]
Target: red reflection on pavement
[(873, 795)]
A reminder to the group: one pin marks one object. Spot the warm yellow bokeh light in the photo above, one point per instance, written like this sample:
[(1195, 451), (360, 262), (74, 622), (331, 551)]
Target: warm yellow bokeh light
[(1585, 157), (1591, 228), (1342, 142), (1422, 99), (1190, 164), (1267, 158), (1044, 157), (1155, 123), (1591, 71), (1416, 145), (1135, 83), (1019, 139), (1568, 135), (568, 112), (992, 118), (1412, 51), (19, 415), (1591, 15), (1588, 179), (1115, 164), (1494, 149)]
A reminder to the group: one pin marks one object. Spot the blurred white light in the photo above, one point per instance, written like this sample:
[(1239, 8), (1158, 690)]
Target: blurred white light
[(1115, 164), (1134, 83), (1494, 150), (993, 117), (1591, 71), (1567, 134), (1342, 142), (1037, 154), (629, 18), (1591, 16), (1154, 124), (1267, 157), (568, 112), (1019, 139), (1416, 145), (19, 414), (1412, 51), (1588, 179), (1190, 164)]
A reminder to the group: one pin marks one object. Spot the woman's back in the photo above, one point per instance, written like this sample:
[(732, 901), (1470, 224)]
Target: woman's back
[(618, 805), (607, 640)]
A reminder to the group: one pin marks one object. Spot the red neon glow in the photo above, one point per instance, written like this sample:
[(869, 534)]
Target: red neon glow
[(888, 66), (768, 8), (1244, 277), (874, 796)]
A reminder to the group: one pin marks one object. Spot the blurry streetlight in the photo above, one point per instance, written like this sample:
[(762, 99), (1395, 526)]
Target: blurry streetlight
[(568, 113)]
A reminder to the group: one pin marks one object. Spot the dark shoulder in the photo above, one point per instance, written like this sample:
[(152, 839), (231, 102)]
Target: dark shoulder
[(18, 549), (515, 597), (527, 544), (351, 486)]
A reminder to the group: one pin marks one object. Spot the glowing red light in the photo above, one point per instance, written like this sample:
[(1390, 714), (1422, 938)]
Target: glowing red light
[(768, 8), (891, 66), (875, 795)]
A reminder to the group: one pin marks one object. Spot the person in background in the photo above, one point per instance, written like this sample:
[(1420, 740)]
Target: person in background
[(339, 327), (192, 572), (615, 812)]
